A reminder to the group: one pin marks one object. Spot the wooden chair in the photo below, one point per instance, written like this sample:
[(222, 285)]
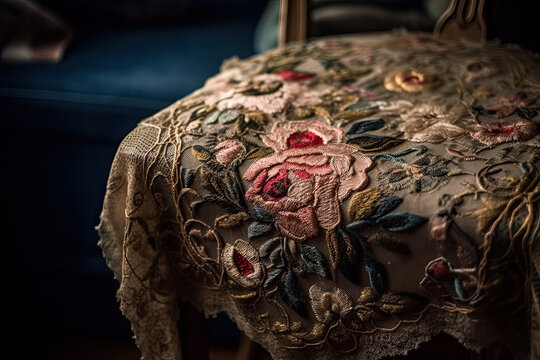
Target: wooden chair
[(468, 19)]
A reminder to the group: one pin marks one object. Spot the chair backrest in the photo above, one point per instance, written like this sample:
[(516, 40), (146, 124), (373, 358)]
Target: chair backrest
[(462, 19)]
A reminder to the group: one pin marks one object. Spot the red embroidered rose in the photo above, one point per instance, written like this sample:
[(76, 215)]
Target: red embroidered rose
[(307, 177), (438, 272), (241, 261), (498, 133), (294, 75)]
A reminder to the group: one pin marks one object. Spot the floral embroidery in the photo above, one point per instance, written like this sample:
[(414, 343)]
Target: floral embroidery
[(302, 186), (329, 306), (519, 102), (433, 123), (266, 93), (498, 133), (424, 174), (278, 150), (294, 76), (228, 150), (411, 81), (242, 263), (442, 280)]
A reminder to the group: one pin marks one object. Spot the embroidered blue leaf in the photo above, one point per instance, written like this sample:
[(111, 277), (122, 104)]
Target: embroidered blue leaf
[(386, 205), (257, 229), (269, 246), (366, 125), (187, 177), (373, 143), (460, 290), (263, 215), (360, 225), (376, 274), (394, 156), (399, 222), (290, 294), (273, 275), (314, 260)]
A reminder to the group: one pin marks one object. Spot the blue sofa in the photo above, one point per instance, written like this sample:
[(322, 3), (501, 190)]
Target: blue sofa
[(61, 125)]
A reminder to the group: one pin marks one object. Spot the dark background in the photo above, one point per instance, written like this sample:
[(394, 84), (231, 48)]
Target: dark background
[(61, 124)]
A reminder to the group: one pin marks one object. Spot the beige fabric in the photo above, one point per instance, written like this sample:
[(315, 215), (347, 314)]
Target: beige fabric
[(269, 185)]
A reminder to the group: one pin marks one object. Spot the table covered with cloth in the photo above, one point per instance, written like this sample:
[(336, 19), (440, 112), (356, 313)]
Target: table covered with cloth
[(348, 197)]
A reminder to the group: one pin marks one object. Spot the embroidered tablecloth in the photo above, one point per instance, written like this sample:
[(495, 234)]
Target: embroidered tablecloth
[(350, 197)]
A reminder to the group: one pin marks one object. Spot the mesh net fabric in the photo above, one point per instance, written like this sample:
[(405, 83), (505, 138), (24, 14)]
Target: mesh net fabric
[(174, 227)]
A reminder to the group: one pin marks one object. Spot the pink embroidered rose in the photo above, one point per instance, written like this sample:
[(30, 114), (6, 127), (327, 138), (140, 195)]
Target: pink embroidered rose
[(498, 133), (303, 182), (228, 150), (268, 93)]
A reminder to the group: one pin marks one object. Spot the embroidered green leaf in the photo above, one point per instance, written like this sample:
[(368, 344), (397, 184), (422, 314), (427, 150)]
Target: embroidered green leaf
[(362, 203), (373, 143), (228, 116), (230, 221), (349, 256), (400, 222), (276, 257), (200, 112), (290, 294), (366, 125), (259, 153), (386, 205), (257, 229), (201, 153), (269, 246), (363, 105), (388, 242), (348, 116), (273, 275), (224, 186), (212, 118), (332, 242), (314, 260)]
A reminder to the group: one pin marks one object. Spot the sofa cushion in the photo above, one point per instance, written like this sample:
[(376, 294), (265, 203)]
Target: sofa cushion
[(118, 76)]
